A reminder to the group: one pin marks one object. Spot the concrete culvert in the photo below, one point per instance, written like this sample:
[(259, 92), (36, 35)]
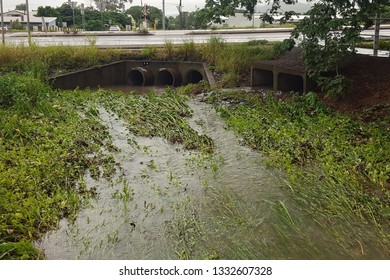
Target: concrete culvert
[(193, 77), (290, 82), (168, 77), (262, 77), (140, 77)]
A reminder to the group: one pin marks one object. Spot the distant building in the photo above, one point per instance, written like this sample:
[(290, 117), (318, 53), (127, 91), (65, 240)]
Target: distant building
[(36, 23), (239, 20)]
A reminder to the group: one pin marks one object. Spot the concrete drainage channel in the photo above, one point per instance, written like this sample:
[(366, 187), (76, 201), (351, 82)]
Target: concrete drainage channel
[(135, 73)]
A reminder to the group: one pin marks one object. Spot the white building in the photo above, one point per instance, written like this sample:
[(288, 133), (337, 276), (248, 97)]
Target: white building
[(239, 20), (40, 23)]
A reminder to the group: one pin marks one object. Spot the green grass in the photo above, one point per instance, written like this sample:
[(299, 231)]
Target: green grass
[(338, 167), (43, 154), (56, 58), (383, 44), (233, 60), (170, 122), (46, 142)]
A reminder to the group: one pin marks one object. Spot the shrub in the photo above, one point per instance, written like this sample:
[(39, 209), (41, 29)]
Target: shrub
[(335, 87), (24, 93), (283, 47)]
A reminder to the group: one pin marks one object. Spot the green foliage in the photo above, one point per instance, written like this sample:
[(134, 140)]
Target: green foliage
[(168, 48), (383, 44), (24, 93), (92, 16), (43, 153), (149, 51), (94, 25), (52, 58), (257, 42), (17, 25), (238, 58), (338, 24), (193, 89), (154, 14), (212, 48), (335, 87), (230, 80), (187, 50), (198, 19), (337, 166), (169, 122), (21, 7), (22, 250), (282, 47)]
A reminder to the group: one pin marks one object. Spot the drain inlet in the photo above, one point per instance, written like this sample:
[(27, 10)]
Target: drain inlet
[(168, 77), (140, 77), (193, 77)]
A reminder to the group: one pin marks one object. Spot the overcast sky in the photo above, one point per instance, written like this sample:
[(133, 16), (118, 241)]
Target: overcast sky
[(170, 5)]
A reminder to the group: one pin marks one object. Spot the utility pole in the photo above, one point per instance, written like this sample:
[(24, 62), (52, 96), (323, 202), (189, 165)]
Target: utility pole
[(2, 23), (83, 16), (28, 24), (376, 36), (101, 6), (180, 15), (163, 15), (73, 5)]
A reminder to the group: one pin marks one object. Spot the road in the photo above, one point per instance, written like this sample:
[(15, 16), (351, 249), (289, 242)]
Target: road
[(130, 39), (160, 37)]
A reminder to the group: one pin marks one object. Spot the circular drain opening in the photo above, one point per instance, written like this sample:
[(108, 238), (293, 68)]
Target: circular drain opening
[(168, 77), (194, 77), (140, 77)]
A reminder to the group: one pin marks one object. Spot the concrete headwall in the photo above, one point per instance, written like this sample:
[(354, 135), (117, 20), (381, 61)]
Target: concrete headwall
[(288, 73), (138, 73)]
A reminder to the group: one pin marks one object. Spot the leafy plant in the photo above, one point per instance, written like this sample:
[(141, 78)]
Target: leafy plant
[(283, 47)]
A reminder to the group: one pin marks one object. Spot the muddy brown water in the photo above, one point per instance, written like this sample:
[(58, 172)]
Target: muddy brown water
[(160, 179), (158, 187)]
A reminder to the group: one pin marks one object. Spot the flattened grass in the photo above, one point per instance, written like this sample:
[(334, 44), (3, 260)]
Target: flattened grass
[(338, 167)]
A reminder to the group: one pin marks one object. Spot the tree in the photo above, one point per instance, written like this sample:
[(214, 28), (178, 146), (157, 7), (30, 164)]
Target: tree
[(94, 25), (21, 7), (329, 33), (154, 14), (198, 19), (115, 5), (47, 11)]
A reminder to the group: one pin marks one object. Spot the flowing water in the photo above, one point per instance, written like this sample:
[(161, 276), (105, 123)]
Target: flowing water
[(168, 203)]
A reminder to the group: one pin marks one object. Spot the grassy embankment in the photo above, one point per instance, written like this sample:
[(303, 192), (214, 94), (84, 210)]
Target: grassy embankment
[(338, 166), (47, 137)]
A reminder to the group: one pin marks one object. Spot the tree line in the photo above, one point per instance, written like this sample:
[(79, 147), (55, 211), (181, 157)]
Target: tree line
[(113, 14)]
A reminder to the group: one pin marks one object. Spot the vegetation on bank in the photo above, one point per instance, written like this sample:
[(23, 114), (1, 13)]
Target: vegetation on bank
[(383, 44), (337, 166), (231, 61), (44, 147)]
